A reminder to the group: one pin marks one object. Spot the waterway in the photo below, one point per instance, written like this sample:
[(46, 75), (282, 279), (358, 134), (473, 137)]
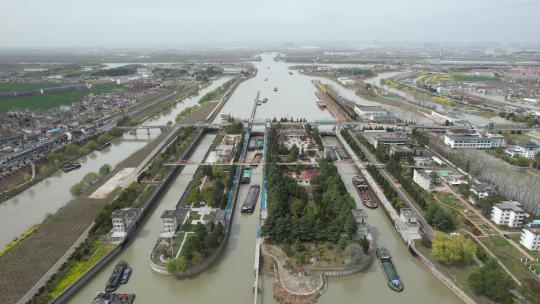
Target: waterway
[(31, 206), (230, 279), (476, 120), (370, 286)]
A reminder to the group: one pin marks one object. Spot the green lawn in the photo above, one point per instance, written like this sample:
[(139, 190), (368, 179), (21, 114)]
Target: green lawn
[(510, 257), (12, 86), (48, 101), (459, 274)]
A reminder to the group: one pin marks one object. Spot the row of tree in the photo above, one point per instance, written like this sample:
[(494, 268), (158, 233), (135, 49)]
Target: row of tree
[(354, 146), (293, 216)]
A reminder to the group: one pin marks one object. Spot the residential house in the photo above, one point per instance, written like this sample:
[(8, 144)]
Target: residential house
[(527, 149), (423, 179), (530, 236), (508, 213), (410, 222)]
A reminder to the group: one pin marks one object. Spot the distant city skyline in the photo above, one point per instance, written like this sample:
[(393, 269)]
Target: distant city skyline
[(100, 23)]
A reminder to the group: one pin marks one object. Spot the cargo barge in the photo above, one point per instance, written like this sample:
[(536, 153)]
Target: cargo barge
[(366, 196), (389, 270), (116, 277), (114, 298), (70, 166), (251, 199)]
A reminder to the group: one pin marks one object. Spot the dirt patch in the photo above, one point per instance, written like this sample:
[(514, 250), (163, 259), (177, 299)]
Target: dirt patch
[(200, 113), (27, 262), (119, 180), (284, 297)]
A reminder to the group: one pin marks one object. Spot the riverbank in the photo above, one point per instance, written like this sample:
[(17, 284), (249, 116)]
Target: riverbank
[(26, 263)]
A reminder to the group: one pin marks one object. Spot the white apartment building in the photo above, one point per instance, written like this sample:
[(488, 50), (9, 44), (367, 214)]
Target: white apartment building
[(530, 238), (170, 222), (474, 141), (527, 149), (423, 179), (508, 213)]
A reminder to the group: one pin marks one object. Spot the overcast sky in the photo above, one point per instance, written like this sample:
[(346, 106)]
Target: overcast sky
[(72, 23)]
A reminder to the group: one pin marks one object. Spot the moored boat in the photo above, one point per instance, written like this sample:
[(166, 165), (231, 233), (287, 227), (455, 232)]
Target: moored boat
[(275, 89), (116, 277), (265, 100), (104, 145), (251, 199), (70, 166), (366, 196), (389, 270)]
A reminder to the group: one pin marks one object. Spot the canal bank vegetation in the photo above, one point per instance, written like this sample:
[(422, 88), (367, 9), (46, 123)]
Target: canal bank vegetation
[(434, 214), (201, 235), (88, 180), (96, 245), (19, 181)]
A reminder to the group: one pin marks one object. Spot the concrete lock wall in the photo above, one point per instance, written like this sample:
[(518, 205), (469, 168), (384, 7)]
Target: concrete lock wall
[(148, 205)]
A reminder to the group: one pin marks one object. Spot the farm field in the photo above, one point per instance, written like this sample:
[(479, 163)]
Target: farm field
[(48, 101), (12, 86)]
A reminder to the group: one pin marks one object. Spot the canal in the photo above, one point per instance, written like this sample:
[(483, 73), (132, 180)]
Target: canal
[(230, 279), (31, 206)]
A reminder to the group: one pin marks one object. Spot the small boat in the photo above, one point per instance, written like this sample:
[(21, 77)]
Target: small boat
[(104, 145), (275, 89), (70, 166), (321, 104), (389, 270), (290, 73), (259, 103), (251, 199), (265, 100), (116, 277), (126, 275), (266, 79)]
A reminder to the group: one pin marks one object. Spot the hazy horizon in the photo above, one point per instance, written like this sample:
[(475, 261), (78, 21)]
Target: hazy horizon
[(122, 23)]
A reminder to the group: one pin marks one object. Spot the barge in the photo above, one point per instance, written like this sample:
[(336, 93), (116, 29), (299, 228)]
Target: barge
[(251, 199), (116, 277), (114, 298), (70, 166), (366, 196), (389, 270), (246, 176)]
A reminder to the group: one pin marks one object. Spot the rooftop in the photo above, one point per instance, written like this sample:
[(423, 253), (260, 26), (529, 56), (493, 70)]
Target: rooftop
[(509, 205), (169, 214), (359, 213)]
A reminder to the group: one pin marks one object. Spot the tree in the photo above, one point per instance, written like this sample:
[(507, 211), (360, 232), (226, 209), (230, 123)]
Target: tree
[(103, 138), (116, 132), (76, 189), (72, 149), (27, 177), (492, 282), (437, 218), (89, 179), (452, 249), (104, 170)]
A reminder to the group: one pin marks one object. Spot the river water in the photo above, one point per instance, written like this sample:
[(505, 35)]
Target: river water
[(31, 206), (230, 279)]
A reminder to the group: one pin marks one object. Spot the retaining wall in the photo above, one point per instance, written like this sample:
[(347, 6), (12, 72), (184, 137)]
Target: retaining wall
[(148, 205)]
